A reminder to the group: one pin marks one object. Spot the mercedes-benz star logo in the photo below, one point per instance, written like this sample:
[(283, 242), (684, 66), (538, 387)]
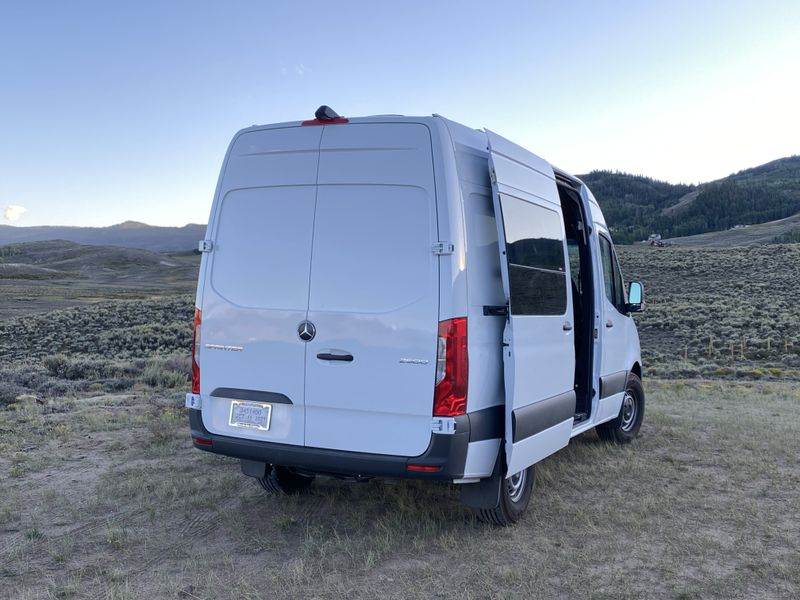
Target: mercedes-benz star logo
[(306, 331)]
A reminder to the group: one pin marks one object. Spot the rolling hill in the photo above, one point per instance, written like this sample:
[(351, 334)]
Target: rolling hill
[(38, 277), (780, 231), (129, 234), (637, 206), (59, 259)]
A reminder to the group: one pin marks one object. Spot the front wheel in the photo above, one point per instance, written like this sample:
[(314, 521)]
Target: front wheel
[(626, 426), (515, 495)]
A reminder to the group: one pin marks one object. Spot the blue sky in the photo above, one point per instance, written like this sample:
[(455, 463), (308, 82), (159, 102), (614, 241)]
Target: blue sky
[(116, 111)]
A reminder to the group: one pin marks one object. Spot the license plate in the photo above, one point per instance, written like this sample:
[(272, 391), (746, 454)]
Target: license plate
[(252, 415)]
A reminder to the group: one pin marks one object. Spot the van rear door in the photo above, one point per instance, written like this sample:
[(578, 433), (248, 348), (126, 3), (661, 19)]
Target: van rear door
[(373, 301), (256, 292), (538, 345)]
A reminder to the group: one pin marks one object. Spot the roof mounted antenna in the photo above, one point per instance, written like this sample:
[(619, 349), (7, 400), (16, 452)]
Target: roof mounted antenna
[(325, 115)]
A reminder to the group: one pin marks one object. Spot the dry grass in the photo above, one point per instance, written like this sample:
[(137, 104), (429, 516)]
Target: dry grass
[(108, 500)]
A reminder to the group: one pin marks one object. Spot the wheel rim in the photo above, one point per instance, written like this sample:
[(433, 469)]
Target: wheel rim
[(628, 412), (515, 485)]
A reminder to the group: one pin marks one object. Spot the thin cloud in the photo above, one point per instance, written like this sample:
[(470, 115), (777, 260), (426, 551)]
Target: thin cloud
[(298, 69), (13, 212)]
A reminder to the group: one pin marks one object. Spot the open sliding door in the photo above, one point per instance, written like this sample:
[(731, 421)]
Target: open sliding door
[(538, 343)]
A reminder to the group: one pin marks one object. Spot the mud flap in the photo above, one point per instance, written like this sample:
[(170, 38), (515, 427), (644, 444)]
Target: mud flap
[(254, 468), (485, 493)]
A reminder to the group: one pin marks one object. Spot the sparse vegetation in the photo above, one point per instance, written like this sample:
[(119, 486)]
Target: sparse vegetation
[(719, 313), (790, 237), (105, 347)]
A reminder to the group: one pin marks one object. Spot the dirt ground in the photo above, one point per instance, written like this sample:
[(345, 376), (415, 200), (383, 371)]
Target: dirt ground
[(103, 497)]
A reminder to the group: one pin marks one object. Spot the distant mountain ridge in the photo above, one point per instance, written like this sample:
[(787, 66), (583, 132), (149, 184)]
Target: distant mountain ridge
[(637, 206), (130, 234)]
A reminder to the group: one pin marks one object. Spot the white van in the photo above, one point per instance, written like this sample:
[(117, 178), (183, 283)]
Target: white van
[(407, 297)]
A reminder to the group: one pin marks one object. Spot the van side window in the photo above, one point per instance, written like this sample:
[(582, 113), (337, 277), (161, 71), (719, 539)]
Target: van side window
[(612, 276), (535, 254)]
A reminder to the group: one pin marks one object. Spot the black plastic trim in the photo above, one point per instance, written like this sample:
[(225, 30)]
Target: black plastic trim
[(330, 356), (252, 395), (613, 384), (448, 451), (487, 424), (538, 416)]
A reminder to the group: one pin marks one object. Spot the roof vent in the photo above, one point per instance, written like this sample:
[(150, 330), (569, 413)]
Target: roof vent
[(325, 115)]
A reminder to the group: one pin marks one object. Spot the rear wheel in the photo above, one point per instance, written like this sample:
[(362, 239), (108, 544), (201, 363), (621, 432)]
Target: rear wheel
[(285, 480), (626, 426), (515, 495)]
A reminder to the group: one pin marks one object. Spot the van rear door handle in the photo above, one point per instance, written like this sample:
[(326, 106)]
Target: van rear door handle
[(329, 356), (609, 323), (567, 326)]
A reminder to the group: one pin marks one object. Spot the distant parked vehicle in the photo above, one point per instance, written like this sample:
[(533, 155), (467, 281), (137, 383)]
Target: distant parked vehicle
[(407, 297)]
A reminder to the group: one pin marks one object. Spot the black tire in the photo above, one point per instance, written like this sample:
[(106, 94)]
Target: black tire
[(626, 426), (515, 496), (284, 480)]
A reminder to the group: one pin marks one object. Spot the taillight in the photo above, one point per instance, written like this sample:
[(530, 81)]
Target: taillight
[(423, 468), (196, 353), (452, 369)]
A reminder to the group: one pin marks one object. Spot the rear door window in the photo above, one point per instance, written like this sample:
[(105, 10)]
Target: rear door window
[(262, 249), (535, 254), (372, 248)]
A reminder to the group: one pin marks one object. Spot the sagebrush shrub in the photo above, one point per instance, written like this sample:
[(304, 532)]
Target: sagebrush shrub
[(9, 392)]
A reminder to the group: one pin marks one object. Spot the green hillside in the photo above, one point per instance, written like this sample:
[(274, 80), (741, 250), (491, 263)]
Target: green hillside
[(637, 206)]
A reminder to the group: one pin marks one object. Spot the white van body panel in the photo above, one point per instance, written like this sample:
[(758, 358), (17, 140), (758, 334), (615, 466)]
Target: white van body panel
[(267, 189), (481, 457), (538, 349), (453, 275), (374, 291)]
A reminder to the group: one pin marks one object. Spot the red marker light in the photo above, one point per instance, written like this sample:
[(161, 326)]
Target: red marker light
[(423, 468)]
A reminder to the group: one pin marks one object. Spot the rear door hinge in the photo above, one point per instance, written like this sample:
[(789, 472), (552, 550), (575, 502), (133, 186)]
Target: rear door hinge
[(492, 176), (205, 246), (440, 248), (445, 425), (194, 401)]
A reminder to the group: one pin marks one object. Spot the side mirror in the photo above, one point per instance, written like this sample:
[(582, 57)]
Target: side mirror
[(635, 297)]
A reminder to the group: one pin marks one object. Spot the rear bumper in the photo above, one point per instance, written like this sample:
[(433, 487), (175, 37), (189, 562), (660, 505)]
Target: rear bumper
[(446, 451)]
